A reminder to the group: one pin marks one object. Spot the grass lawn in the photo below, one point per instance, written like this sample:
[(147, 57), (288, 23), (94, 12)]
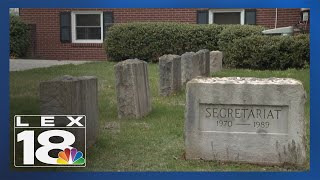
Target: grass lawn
[(153, 143)]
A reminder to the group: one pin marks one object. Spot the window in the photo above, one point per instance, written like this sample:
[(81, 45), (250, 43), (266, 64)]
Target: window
[(226, 16), (14, 11), (87, 27)]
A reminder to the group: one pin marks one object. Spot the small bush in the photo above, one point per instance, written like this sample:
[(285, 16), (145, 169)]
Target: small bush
[(19, 37), (148, 41), (233, 32), (268, 52)]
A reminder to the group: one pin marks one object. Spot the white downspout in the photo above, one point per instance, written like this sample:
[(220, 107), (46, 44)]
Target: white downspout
[(276, 20)]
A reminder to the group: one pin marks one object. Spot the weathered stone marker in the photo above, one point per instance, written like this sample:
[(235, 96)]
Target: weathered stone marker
[(216, 61), (251, 120), (132, 87), (69, 95), (189, 66), (170, 74), (204, 62)]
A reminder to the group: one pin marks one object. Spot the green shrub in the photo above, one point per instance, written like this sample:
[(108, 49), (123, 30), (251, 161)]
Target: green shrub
[(232, 32), (19, 37), (268, 52), (243, 45), (148, 41)]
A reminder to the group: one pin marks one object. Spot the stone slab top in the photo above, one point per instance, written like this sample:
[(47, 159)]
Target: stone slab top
[(130, 61), (169, 56), (203, 50), (68, 78), (245, 80), (188, 53)]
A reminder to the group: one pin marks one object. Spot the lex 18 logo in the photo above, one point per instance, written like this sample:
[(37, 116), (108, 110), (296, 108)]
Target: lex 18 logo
[(49, 140)]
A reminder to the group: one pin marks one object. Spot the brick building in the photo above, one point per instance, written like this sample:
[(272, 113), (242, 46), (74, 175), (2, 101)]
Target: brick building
[(77, 34)]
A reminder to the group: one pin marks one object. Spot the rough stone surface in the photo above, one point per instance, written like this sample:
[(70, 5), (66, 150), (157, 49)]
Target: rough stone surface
[(132, 87), (170, 74), (69, 95), (189, 66), (250, 120), (204, 62), (216, 61)]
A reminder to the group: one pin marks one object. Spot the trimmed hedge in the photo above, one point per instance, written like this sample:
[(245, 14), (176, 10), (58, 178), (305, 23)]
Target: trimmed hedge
[(233, 32), (148, 41), (243, 45), (268, 52), (19, 37)]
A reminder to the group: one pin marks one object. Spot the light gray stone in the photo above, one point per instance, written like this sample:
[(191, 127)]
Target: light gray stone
[(69, 95), (216, 61), (170, 74), (204, 62), (132, 87), (252, 120), (190, 67)]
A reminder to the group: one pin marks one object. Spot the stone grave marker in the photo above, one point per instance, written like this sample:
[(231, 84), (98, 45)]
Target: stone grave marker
[(170, 74), (69, 95), (252, 120), (216, 61), (204, 62), (189, 67), (132, 88)]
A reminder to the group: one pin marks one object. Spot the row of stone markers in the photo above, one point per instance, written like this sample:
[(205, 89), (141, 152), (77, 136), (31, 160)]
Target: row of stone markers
[(175, 71), (254, 120), (69, 95), (79, 95)]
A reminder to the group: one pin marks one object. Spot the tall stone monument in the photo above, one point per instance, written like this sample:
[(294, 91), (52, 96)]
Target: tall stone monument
[(132, 88), (170, 74), (69, 95), (190, 67), (204, 62), (216, 61)]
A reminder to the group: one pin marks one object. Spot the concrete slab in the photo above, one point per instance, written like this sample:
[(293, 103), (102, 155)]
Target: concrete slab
[(26, 64)]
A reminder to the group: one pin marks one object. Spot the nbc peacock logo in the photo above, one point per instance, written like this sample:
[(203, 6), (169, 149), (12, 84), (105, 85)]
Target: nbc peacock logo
[(70, 156)]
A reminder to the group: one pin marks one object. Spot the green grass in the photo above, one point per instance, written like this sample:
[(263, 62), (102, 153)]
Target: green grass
[(153, 143)]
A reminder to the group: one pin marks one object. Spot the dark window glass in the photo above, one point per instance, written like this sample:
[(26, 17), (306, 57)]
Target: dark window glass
[(88, 20), (88, 33), (88, 26), (226, 18)]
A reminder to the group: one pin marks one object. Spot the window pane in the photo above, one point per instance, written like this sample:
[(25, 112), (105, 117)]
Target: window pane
[(88, 33), (87, 19), (226, 18)]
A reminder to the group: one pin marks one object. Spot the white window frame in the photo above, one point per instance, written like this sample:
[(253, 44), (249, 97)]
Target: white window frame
[(213, 11), (73, 27)]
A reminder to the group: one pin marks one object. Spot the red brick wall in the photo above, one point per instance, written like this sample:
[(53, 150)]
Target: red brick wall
[(286, 17), (158, 15), (48, 45)]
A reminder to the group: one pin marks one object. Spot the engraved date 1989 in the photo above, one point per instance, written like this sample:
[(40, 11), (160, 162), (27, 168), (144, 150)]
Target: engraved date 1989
[(255, 124)]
